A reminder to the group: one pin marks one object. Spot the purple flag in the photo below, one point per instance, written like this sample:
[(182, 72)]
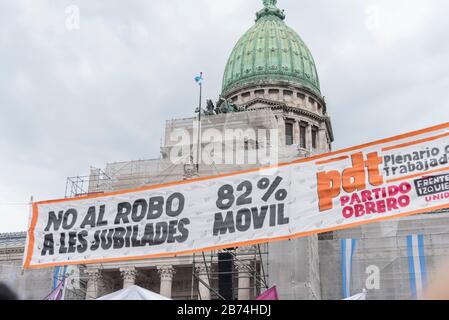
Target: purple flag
[(58, 293), (270, 294)]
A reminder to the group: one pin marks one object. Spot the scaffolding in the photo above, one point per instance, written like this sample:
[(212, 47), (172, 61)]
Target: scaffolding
[(250, 264), (134, 174), (78, 186), (251, 127)]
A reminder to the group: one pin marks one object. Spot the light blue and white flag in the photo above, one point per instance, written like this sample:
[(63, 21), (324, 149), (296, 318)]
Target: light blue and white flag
[(347, 253), (199, 79), (58, 276), (417, 265)]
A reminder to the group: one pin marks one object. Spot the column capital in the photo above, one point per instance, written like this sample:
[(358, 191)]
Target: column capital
[(128, 273), (166, 272), (202, 267), (247, 250), (94, 283), (93, 274)]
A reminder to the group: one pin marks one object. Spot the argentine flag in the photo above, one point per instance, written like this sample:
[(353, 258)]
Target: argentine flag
[(348, 247), (199, 79), (417, 265)]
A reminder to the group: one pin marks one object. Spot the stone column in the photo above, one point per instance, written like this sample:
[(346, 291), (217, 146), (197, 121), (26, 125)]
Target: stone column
[(281, 95), (202, 271), (252, 95), (322, 138), (244, 292), (309, 138), (129, 276), (296, 133), (243, 266), (166, 273), (281, 128), (93, 284)]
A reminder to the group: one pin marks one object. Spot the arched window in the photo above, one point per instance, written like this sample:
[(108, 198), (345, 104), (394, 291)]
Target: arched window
[(289, 132)]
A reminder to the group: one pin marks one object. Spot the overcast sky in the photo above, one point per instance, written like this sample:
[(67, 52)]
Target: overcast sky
[(75, 98)]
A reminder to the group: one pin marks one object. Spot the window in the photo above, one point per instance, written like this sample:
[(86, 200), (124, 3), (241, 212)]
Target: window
[(288, 95), (314, 137), (302, 135), (288, 133), (259, 93)]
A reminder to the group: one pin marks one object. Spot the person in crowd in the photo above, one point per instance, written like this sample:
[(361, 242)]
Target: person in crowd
[(438, 288), (6, 293)]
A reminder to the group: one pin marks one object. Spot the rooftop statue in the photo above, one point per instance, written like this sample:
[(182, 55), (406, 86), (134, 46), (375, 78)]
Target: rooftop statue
[(228, 107), (210, 108)]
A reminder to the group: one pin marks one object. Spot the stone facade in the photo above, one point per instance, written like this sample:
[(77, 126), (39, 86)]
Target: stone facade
[(27, 284), (379, 245)]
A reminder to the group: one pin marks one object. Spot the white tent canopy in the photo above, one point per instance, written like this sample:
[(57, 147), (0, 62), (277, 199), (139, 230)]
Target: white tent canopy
[(133, 293), (360, 296)]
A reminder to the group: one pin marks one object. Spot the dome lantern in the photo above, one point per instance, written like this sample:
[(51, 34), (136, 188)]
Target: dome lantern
[(270, 9)]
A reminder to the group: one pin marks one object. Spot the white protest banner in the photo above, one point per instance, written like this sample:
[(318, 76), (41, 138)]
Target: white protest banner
[(395, 177)]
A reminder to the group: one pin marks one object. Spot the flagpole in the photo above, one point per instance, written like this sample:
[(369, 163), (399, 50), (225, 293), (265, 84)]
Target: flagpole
[(199, 128)]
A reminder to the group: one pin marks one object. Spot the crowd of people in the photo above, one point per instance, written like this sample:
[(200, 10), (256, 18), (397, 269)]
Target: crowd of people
[(438, 288)]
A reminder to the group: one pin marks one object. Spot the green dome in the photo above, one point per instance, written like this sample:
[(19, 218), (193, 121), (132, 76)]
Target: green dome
[(270, 50)]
